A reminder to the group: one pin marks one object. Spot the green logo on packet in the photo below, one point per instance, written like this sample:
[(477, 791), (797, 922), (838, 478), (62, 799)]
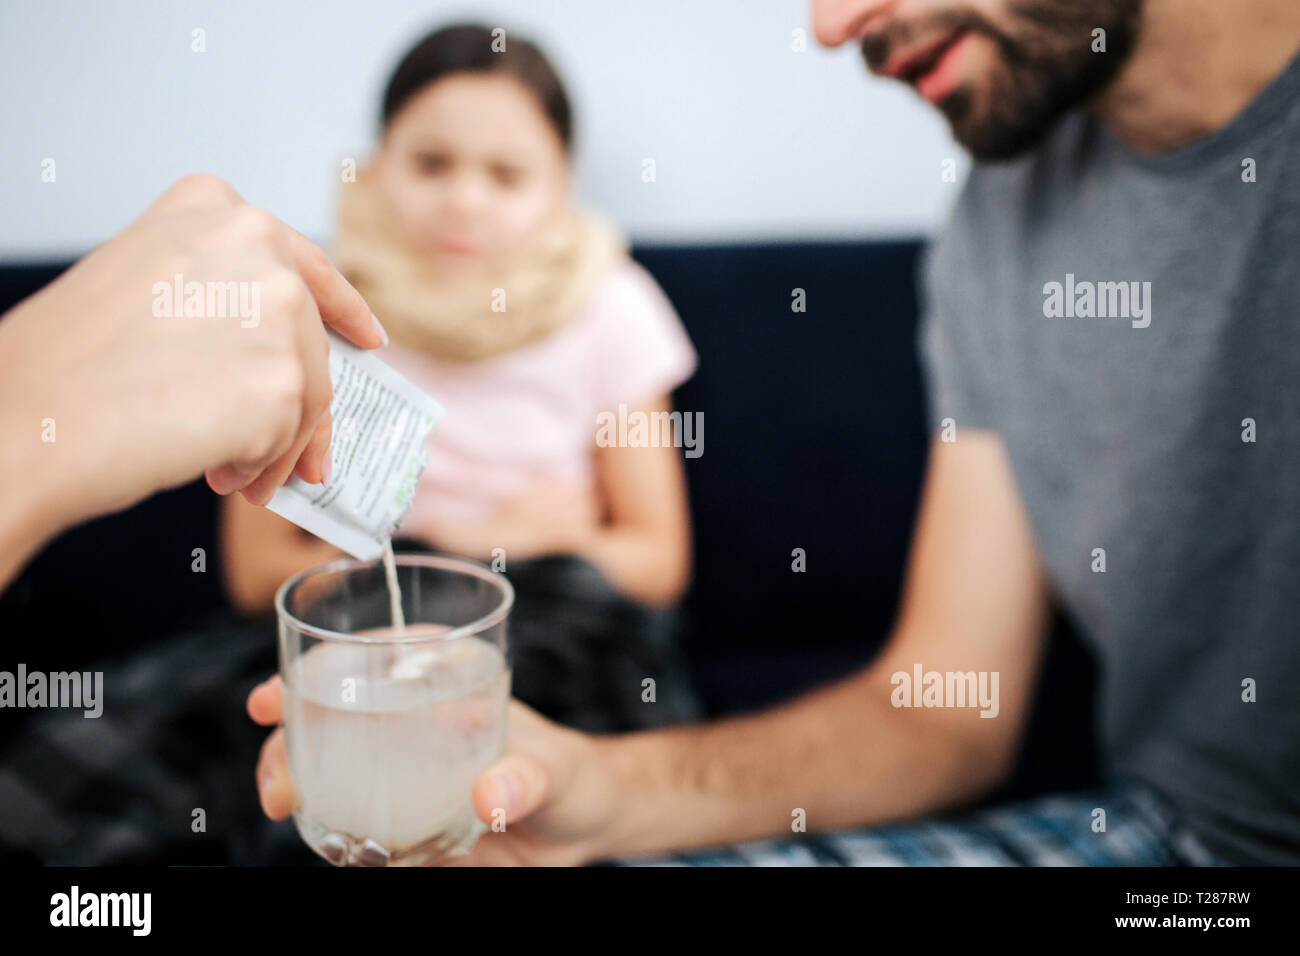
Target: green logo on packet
[(406, 487)]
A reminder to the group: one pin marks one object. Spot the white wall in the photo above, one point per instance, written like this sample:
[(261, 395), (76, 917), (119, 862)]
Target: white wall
[(751, 140)]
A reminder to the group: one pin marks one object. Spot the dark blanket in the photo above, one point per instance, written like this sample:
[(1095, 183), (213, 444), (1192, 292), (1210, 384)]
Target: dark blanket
[(587, 657)]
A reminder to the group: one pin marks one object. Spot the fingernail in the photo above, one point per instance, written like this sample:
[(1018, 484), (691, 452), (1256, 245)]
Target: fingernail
[(380, 327), (327, 466), (507, 791)]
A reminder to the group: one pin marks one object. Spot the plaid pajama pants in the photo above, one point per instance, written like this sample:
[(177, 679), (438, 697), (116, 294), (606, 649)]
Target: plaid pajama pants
[(1141, 830)]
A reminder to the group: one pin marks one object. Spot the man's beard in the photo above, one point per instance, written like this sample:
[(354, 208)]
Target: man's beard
[(1045, 67)]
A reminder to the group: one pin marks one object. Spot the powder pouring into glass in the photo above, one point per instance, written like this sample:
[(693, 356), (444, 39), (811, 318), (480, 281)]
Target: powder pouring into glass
[(387, 723)]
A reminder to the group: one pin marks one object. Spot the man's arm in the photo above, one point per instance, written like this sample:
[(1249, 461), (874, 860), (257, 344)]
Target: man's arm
[(974, 600)]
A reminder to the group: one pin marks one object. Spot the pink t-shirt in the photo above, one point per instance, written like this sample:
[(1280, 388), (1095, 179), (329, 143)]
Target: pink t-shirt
[(529, 418)]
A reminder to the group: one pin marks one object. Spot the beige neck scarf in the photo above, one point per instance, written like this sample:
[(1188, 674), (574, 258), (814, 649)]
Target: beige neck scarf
[(469, 318)]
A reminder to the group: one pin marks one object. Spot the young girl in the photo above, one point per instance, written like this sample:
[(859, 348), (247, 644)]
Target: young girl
[(525, 317)]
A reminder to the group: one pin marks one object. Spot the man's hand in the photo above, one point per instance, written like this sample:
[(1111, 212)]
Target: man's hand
[(555, 785), (103, 402)]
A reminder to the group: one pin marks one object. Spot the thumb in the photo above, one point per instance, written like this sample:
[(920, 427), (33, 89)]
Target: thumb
[(515, 784)]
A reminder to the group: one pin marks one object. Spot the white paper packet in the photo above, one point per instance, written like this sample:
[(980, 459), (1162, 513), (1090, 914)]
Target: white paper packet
[(381, 421)]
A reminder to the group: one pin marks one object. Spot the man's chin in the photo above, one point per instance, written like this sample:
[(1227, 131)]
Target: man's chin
[(989, 138), (1006, 145)]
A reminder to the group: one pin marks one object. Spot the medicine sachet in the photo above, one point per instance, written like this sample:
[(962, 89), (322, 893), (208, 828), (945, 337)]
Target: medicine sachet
[(381, 422)]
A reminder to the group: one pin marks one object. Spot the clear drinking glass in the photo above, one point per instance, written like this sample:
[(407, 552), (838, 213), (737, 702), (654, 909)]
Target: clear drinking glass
[(387, 731)]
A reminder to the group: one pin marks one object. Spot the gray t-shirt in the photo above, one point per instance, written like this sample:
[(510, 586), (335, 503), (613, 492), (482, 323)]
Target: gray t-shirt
[(1125, 424)]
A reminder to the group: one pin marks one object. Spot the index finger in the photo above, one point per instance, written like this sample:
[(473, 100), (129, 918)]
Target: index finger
[(340, 305)]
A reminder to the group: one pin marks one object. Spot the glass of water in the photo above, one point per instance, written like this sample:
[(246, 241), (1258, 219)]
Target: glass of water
[(386, 729)]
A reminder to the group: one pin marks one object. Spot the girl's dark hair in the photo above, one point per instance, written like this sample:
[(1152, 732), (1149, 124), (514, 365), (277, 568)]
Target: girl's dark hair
[(468, 48)]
